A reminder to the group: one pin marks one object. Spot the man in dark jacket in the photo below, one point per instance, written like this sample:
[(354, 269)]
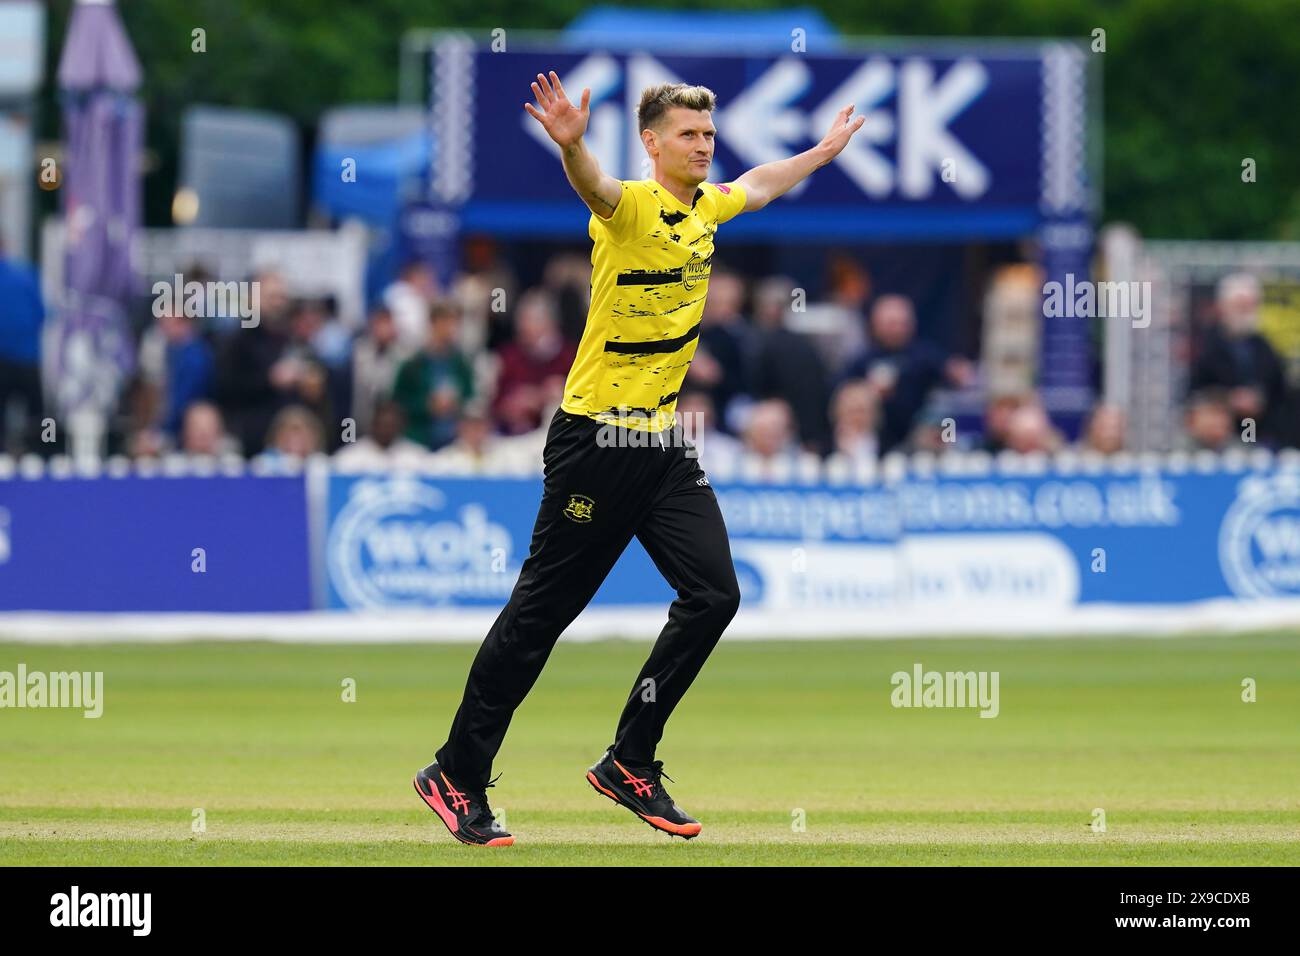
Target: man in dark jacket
[(1234, 357), (901, 368), (787, 365)]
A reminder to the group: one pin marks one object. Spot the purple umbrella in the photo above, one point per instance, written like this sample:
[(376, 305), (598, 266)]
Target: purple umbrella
[(104, 125)]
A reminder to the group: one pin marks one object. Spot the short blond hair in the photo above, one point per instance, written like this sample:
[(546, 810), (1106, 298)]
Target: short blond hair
[(656, 101)]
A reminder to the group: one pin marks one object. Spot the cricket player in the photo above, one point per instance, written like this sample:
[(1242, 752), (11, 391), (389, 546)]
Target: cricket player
[(615, 463)]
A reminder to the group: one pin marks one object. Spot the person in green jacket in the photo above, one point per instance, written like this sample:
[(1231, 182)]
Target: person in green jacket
[(433, 385)]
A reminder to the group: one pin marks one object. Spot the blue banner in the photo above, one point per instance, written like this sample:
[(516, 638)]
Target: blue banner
[(407, 542), (154, 544), (1039, 544), (1035, 545), (983, 140)]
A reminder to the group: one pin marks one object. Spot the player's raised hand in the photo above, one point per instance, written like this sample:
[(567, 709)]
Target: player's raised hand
[(563, 122), (841, 131)]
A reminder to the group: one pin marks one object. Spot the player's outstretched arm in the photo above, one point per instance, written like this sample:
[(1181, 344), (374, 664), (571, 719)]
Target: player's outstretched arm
[(764, 183), (565, 124)]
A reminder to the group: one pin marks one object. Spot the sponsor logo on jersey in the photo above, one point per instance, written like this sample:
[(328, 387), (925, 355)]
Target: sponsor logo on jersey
[(696, 269)]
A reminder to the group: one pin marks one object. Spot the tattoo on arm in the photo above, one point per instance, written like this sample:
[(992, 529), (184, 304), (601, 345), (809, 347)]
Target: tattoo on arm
[(603, 201)]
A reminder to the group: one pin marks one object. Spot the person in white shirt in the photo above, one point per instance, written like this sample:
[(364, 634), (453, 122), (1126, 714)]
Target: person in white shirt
[(771, 450), (376, 356), (854, 415), (719, 453), (409, 299), (384, 448)]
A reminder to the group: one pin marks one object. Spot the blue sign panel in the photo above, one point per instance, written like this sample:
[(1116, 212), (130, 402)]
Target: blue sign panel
[(1037, 545), (958, 142), (1034, 546), (154, 544), (406, 542)]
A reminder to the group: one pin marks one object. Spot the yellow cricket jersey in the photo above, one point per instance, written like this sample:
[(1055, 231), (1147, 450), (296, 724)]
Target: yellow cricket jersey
[(650, 273)]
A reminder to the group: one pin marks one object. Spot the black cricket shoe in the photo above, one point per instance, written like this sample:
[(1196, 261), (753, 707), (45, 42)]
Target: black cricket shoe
[(641, 790), (465, 812)]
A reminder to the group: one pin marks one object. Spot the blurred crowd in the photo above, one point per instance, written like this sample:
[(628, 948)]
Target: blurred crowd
[(467, 376)]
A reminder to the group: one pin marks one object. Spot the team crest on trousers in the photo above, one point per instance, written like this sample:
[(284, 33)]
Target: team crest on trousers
[(579, 508)]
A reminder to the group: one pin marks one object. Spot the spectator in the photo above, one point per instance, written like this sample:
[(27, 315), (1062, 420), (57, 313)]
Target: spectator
[(718, 451), (325, 333), (384, 447), (786, 365), (273, 302), (203, 432), (478, 450), (719, 363), (1106, 430), (850, 290), (22, 313), (854, 416), (409, 300), (1029, 430), (902, 369), (273, 296), (533, 367), (190, 369), (1209, 421), (483, 290), (304, 373), (294, 434), (771, 451), (1240, 361), (997, 418), (432, 385), (135, 430), (376, 356), (929, 432), (313, 389), (255, 375), (567, 280)]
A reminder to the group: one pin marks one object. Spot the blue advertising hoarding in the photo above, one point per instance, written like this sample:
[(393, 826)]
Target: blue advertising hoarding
[(1038, 544), (974, 141), (129, 544), (972, 548), (411, 542)]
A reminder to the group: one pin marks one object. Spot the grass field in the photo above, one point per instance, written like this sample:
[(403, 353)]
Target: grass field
[(256, 735)]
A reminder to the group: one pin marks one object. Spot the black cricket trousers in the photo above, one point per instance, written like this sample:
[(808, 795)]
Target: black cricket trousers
[(595, 497)]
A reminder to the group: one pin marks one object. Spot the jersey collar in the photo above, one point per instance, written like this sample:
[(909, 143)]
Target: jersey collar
[(672, 200)]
